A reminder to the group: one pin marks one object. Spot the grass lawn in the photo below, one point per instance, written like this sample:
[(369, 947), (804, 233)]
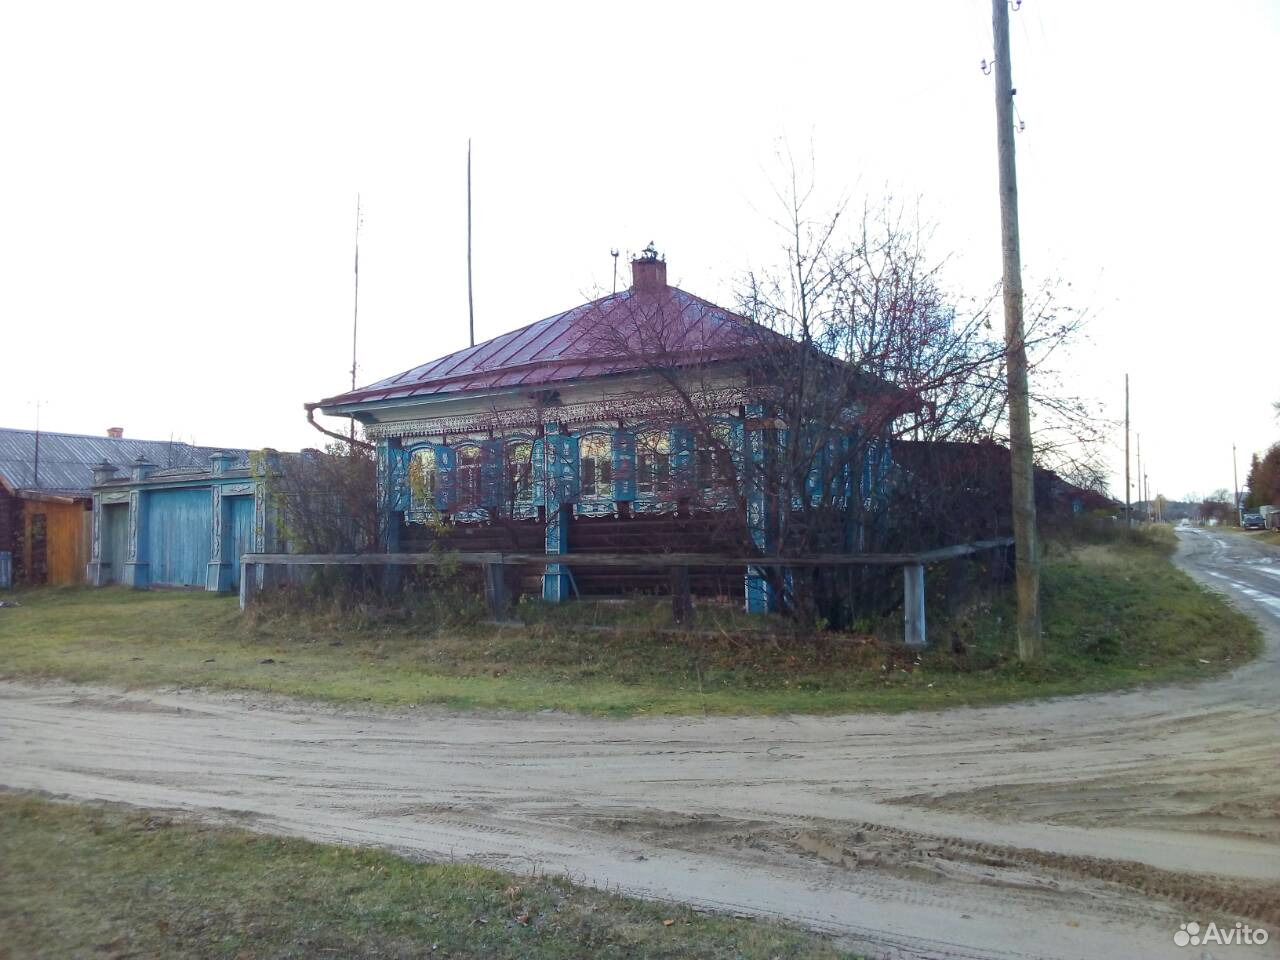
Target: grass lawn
[(1116, 614), (114, 883)]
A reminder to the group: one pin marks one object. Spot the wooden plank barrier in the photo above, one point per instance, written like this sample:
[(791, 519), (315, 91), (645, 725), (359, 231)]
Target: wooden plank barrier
[(254, 569)]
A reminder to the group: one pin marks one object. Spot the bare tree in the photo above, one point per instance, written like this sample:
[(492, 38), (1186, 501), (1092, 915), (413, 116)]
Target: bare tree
[(325, 501)]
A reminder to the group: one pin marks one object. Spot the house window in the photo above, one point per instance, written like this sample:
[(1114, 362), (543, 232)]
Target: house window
[(469, 477), (714, 459), (520, 472), (595, 465), (424, 479), (653, 464)]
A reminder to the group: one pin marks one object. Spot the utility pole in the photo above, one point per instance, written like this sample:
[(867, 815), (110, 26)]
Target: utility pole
[(1128, 516), (1235, 482), (1021, 455), (471, 304)]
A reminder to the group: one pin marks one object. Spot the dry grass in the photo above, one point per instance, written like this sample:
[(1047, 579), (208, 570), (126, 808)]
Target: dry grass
[(1116, 614)]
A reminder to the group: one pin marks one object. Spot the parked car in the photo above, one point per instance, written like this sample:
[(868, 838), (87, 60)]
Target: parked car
[(1253, 521)]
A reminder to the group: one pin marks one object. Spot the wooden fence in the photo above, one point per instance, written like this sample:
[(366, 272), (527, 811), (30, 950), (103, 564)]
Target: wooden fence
[(498, 593)]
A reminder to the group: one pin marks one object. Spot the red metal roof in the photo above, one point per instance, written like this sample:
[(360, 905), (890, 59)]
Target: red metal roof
[(621, 333)]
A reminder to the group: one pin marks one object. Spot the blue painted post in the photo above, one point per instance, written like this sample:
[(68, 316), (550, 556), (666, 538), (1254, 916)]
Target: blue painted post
[(98, 573), (561, 485), (219, 576), (759, 593), (94, 575), (137, 572), (393, 492)]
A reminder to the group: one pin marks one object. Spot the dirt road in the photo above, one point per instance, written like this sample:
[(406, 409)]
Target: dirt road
[(1082, 827)]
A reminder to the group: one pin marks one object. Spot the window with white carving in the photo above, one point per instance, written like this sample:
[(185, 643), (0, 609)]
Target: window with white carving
[(595, 466)]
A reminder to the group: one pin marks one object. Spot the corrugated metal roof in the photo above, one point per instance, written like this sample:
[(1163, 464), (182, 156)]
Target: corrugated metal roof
[(619, 333), (67, 459)]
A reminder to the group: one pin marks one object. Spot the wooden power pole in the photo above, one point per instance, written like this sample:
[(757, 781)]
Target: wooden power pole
[(1024, 500), (1128, 516), (1235, 483)]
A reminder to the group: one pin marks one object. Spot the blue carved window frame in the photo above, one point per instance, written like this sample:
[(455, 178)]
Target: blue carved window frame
[(595, 473), (523, 479), (654, 482), (425, 510), (716, 480), (468, 484)]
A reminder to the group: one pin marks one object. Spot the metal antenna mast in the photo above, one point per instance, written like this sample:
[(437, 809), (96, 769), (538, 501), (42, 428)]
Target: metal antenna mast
[(471, 303), (614, 253), (35, 468), (355, 313)]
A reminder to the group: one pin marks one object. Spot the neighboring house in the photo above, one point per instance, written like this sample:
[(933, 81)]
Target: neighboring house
[(561, 437), (45, 498), (967, 488)]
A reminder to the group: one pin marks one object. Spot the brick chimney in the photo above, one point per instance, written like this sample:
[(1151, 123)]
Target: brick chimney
[(648, 271), (115, 433)]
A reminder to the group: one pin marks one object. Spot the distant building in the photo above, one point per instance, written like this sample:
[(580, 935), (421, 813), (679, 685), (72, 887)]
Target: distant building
[(46, 517)]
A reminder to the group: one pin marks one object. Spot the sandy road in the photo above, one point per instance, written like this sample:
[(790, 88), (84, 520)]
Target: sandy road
[(1082, 827)]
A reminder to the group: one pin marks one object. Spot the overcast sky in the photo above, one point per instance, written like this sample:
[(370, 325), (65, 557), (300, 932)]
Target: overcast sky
[(179, 184)]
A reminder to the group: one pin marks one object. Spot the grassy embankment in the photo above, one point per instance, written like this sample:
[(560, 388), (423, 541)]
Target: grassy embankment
[(1116, 614), (1270, 537), (115, 883)]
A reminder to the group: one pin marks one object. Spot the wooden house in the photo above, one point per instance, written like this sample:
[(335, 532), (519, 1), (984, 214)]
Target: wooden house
[(575, 435), (46, 504)]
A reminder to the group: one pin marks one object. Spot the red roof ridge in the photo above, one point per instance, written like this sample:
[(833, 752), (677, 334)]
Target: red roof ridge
[(510, 359)]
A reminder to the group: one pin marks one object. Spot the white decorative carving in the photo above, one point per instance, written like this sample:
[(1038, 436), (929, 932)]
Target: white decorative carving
[(604, 412), (259, 521), (134, 506), (653, 506), (215, 546), (96, 550)]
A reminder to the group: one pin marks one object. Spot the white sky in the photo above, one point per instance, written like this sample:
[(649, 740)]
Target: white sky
[(178, 187)]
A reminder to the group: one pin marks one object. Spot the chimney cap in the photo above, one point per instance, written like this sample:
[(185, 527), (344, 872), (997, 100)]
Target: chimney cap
[(649, 271), (115, 433)]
